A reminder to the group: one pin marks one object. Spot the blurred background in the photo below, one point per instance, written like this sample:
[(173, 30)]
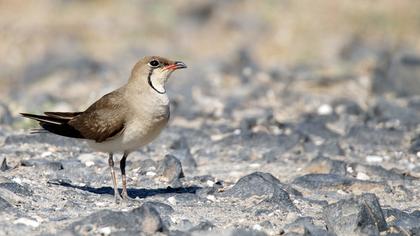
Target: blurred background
[(289, 57)]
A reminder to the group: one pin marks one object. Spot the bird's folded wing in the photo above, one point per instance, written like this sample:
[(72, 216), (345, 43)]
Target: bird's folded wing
[(103, 120)]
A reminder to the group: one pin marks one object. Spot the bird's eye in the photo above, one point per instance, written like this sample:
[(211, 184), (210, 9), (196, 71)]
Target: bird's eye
[(154, 63)]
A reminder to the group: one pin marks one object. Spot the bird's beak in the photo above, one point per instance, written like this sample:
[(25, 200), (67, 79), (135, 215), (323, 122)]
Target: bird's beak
[(177, 65)]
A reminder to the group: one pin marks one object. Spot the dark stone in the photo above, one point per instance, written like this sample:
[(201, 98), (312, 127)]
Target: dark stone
[(399, 74), (324, 165), (385, 111), (6, 117), (318, 181), (261, 140), (17, 189), (44, 139), (203, 226), (406, 223), (148, 219), (361, 215), (305, 226), (415, 144), (369, 139), (162, 208), (331, 148), (3, 164), (181, 150), (43, 164), (171, 169), (380, 173), (247, 232), (263, 184), (4, 204), (317, 129), (145, 219), (372, 203), (347, 106), (147, 165), (257, 183)]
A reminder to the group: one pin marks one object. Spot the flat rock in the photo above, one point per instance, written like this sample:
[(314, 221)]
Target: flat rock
[(4, 204), (43, 164), (324, 165), (319, 181), (304, 226), (385, 111), (144, 219), (18, 189), (370, 139)]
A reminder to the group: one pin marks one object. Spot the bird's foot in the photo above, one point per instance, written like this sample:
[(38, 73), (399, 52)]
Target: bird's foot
[(125, 196), (117, 198)]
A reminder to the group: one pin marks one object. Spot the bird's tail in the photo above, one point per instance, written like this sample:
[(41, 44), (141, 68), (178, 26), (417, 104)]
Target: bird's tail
[(55, 122)]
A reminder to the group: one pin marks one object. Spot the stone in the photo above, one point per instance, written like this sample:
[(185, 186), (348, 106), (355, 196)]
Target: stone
[(347, 106), (385, 111), (4, 204), (6, 117), (146, 166), (312, 127), (368, 139), (149, 219), (399, 74), (144, 219), (404, 222), (3, 164), (376, 172), (203, 226), (181, 150), (247, 232), (43, 164), (257, 183), (361, 215), (305, 226), (171, 170), (43, 139), (263, 184), (324, 165), (18, 189), (320, 181), (415, 144)]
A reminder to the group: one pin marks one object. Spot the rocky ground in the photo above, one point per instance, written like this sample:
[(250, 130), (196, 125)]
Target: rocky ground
[(230, 164), (252, 148)]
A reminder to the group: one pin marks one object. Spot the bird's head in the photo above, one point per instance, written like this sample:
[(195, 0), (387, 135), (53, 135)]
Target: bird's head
[(154, 71)]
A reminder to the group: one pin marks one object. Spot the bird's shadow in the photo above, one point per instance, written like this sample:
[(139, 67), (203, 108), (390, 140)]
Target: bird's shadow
[(132, 193)]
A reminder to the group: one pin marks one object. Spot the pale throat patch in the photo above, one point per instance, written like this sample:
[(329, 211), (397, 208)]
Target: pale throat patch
[(158, 80)]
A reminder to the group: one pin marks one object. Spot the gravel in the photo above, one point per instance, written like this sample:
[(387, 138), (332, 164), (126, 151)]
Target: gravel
[(252, 148)]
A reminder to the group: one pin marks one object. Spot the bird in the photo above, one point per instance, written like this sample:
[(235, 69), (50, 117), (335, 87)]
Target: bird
[(123, 120)]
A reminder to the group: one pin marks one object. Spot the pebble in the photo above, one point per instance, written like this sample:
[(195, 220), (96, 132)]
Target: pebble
[(374, 159), (27, 221), (172, 200), (362, 176), (325, 109)]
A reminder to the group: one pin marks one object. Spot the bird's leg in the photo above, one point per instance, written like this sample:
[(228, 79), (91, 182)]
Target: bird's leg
[(114, 179), (124, 178)]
